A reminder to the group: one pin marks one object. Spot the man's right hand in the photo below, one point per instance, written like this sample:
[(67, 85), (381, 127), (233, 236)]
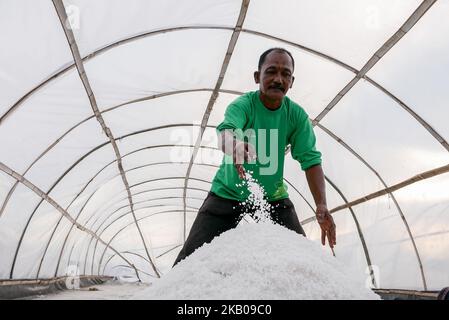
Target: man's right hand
[(242, 152)]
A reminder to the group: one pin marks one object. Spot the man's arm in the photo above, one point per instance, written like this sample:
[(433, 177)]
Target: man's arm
[(315, 179)]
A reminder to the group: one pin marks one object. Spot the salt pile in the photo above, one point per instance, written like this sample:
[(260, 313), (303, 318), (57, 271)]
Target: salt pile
[(259, 261)]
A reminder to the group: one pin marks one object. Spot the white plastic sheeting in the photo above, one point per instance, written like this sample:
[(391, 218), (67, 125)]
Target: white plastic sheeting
[(153, 67)]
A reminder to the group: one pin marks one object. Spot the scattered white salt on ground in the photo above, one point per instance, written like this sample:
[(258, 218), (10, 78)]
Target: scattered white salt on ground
[(111, 290), (258, 261)]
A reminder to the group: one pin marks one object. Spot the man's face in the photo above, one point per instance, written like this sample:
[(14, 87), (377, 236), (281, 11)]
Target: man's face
[(276, 75)]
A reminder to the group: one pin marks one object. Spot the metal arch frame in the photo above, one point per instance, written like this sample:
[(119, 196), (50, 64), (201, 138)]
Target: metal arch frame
[(82, 208), (419, 177), (138, 202), (338, 139), (140, 256), (125, 266), (146, 191), (64, 174), (214, 96), (164, 253), (140, 167), (437, 136), (135, 151), (142, 192), (84, 239), (101, 226), (390, 43), (168, 251), (151, 97), (402, 105), (60, 10), (88, 247), (101, 259), (322, 127), (407, 227), (68, 234), (55, 228), (419, 12), (53, 203), (159, 179), (146, 181), (253, 32), (360, 232)]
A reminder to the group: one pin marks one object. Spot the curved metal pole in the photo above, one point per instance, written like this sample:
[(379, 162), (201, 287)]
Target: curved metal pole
[(162, 254), (69, 170), (194, 209), (133, 169), (360, 233), (83, 240), (214, 96), (81, 210), (398, 208), (140, 256), (11, 191), (91, 239), (140, 202), (417, 178), (101, 259), (60, 10), (390, 43), (53, 203), (212, 27), (127, 213), (68, 234), (152, 190), (125, 266)]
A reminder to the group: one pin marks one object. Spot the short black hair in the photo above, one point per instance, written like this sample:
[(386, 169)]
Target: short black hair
[(264, 56)]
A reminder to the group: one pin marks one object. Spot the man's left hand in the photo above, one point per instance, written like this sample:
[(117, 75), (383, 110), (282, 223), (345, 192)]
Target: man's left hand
[(327, 225)]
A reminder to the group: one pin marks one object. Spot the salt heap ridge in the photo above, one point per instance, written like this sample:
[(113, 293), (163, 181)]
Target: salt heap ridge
[(259, 261)]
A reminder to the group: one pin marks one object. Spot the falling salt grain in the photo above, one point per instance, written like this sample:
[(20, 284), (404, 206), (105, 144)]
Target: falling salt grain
[(256, 205)]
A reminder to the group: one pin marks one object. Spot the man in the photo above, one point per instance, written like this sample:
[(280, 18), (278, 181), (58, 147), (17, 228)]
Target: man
[(269, 121)]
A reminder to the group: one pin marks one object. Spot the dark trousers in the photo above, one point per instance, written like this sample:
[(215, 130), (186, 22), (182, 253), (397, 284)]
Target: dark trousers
[(218, 215)]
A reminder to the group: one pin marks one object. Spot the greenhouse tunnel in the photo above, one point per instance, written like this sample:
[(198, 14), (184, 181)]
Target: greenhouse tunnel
[(108, 116)]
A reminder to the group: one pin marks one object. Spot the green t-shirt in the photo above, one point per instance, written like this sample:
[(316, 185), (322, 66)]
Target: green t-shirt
[(270, 132)]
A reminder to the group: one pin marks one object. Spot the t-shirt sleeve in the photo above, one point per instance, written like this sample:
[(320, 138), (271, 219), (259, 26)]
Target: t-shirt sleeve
[(236, 115), (303, 141)]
